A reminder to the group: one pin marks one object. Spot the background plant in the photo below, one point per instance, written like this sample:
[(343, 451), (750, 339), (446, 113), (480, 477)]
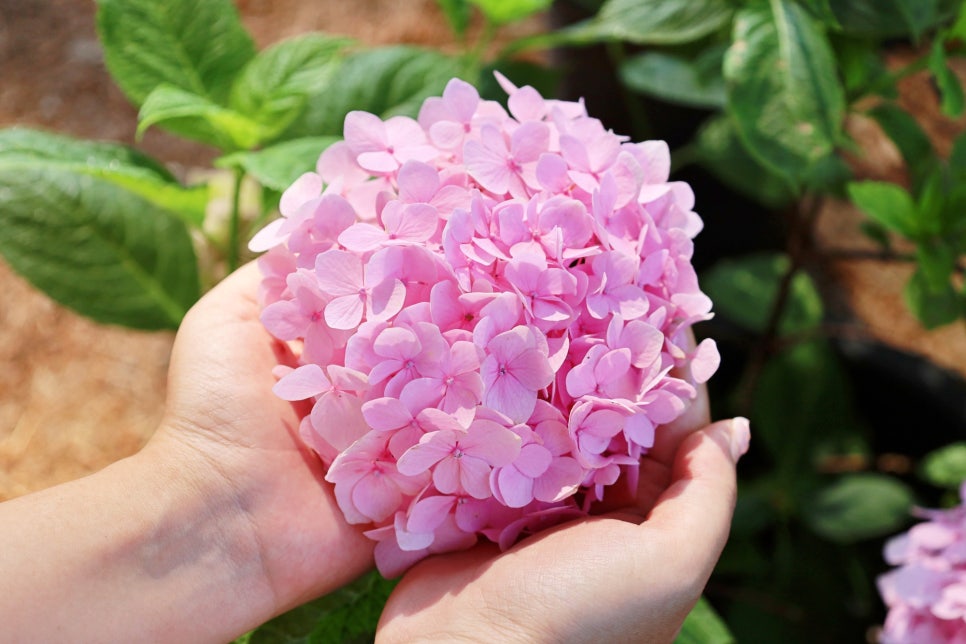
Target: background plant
[(766, 88)]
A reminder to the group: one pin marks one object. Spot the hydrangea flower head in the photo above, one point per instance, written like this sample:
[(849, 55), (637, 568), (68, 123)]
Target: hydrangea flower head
[(926, 593), (490, 310)]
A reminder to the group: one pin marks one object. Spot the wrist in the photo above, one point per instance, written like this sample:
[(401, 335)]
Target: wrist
[(195, 541)]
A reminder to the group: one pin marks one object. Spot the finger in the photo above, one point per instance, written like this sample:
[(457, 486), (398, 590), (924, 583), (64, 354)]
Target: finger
[(222, 347), (234, 298), (698, 505), (695, 416)]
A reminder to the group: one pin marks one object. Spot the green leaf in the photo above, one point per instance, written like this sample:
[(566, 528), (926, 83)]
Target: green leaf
[(863, 69), (274, 86), (933, 308), (783, 90), (652, 22), (120, 165), (195, 117), (195, 45), (703, 625), (350, 614), (957, 157), (386, 82), (930, 206), (676, 79), (909, 138), (457, 14), (958, 28), (801, 401), (859, 506), (886, 18), (721, 151), (950, 91), (821, 10), (96, 247), (501, 12), (918, 15), (744, 289), (888, 204), (278, 166), (946, 466)]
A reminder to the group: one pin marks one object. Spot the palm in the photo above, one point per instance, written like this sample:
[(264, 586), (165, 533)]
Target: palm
[(480, 588), (222, 364)]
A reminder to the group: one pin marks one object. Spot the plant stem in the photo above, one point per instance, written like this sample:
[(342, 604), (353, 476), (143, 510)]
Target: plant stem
[(475, 55), (799, 246), (234, 221)]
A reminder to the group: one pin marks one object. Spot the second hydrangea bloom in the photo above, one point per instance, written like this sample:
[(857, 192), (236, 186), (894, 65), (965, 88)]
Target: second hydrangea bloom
[(493, 313)]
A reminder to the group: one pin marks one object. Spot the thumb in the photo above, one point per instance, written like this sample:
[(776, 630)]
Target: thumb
[(697, 506)]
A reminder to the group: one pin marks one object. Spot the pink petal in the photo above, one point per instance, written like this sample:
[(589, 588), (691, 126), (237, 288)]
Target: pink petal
[(337, 417), (487, 167), (344, 312), (386, 301), (560, 481), (386, 414), (268, 237), (474, 477), (427, 514), (462, 98), (533, 460), (363, 237), (515, 489), (418, 182), (415, 223), (338, 272), (532, 369), (397, 342), (423, 455), (376, 497), (612, 365), (640, 430), (302, 383), (378, 162), (705, 360), (526, 104), (435, 420), (446, 475), (364, 132), (529, 141), (306, 187), (507, 396), (492, 442)]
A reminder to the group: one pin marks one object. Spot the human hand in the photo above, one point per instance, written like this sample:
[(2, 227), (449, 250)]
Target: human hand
[(608, 578), (240, 443)]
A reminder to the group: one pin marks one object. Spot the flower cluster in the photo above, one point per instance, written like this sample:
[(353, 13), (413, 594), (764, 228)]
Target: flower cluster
[(926, 594), (491, 312)]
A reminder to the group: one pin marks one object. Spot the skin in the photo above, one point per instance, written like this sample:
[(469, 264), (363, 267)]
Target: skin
[(224, 520)]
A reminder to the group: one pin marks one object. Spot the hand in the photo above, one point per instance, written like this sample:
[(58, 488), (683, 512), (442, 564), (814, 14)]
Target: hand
[(243, 443), (610, 578)]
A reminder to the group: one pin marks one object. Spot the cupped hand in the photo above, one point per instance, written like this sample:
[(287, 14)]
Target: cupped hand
[(631, 575), (225, 426)]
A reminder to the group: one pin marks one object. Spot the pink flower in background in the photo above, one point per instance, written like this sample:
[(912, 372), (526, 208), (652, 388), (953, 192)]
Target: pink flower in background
[(490, 309), (926, 593)]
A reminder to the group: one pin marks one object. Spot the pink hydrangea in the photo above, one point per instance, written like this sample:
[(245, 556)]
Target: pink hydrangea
[(490, 310), (926, 593)]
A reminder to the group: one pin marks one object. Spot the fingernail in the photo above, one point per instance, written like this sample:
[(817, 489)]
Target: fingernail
[(740, 436)]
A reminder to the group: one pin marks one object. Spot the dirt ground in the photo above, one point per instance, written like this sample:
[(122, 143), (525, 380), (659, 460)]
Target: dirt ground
[(76, 396)]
